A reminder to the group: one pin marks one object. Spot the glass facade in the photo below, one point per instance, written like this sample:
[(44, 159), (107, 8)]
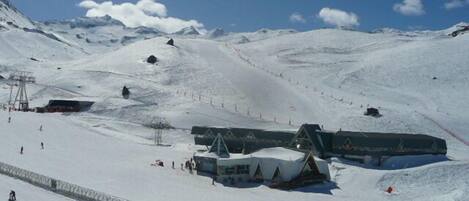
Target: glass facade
[(233, 170)]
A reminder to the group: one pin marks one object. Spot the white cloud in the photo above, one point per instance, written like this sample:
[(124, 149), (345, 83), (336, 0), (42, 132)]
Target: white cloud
[(452, 4), (297, 17), (146, 13), (338, 18), (410, 7), (152, 8)]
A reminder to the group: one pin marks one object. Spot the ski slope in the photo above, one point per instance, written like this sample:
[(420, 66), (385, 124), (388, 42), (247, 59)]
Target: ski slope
[(271, 80), (25, 191), (117, 161)]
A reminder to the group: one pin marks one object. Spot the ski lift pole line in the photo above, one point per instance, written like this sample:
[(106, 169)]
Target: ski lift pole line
[(237, 108)]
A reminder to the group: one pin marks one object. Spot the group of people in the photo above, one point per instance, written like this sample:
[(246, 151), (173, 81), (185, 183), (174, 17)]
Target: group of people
[(42, 143), (189, 164)]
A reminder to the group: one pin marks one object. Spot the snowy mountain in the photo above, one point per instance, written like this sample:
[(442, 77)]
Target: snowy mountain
[(11, 17), (215, 33), (98, 34), (263, 79), (239, 38), (188, 31), (21, 41)]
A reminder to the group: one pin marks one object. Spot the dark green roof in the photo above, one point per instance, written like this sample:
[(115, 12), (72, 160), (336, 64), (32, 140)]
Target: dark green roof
[(324, 143), (238, 139), (385, 135), (372, 143), (244, 132)]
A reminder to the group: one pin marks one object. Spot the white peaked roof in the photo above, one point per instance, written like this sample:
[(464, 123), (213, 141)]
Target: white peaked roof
[(279, 153), (290, 163)]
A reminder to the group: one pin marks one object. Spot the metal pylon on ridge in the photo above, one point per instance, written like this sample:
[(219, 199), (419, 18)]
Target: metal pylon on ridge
[(22, 78)]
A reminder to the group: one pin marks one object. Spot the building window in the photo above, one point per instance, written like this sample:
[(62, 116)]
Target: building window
[(229, 170), (242, 169)]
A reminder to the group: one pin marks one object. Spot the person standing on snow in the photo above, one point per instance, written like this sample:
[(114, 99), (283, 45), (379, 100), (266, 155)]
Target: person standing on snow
[(42, 145), (40, 128), (21, 150), (9, 119), (12, 196)]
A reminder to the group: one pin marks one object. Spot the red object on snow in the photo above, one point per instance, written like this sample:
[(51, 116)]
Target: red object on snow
[(389, 190)]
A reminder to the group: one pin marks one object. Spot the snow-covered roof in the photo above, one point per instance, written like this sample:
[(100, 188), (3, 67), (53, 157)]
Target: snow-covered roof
[(279, 153)]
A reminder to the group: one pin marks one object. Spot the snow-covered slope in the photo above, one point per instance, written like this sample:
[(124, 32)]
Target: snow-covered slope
[(265, 79), (100, 34), (10, 16), (239, 38), (114, 157), (21, 40), (19, 46), (25, 191)]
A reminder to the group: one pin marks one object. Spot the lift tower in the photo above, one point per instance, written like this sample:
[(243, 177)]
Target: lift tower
[(22, 78)]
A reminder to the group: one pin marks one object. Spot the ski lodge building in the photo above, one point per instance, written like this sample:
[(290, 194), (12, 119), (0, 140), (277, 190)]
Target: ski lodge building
[(368, 147), (65, 106), (242, 140), (282, 167)]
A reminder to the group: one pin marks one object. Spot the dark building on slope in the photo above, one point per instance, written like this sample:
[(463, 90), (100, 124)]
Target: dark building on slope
[(242, 140), (65, 106), (359, 145), (325, 144)]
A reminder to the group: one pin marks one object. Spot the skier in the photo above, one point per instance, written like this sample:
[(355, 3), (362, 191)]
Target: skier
[(9, 119), (42, 145), (213, 180), (12, 196), (172, 165), (40, 128), (125, 92), (21, 150)]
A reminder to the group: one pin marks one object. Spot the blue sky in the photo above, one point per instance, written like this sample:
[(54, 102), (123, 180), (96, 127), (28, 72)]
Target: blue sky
[(250, 15)]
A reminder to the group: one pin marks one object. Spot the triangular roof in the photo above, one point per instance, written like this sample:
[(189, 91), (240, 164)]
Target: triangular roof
[(310, 165), (277, 176), (309, 132), (258, 173), (219, 147)]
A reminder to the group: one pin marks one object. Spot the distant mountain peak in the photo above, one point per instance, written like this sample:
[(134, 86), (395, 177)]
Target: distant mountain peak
[(9, 14), (263, 30), (89, 22), (7, 3), (215, 33), (188, 31)]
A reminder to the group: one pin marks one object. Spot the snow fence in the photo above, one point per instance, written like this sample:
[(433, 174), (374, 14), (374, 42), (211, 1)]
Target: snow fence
[(55, 185)]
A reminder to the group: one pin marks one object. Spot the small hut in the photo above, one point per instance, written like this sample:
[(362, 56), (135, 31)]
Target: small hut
[(170, 42), (372, 112), (152, 59)]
